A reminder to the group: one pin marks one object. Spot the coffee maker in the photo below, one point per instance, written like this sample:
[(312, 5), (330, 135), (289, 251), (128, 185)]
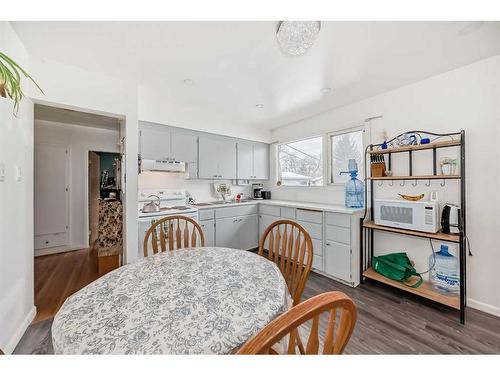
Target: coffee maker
[(257, 191)]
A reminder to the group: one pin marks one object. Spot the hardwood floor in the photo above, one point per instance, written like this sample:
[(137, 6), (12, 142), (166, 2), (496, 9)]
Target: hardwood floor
[(393, 322), (58, 276), (389, 321)]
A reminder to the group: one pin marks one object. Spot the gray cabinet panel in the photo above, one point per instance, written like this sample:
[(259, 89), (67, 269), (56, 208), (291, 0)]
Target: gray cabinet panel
[(184, 146), (217, 156), (338, 260), (245, 160), (154, 141), (261, 161), (248, 227), (208, 227)]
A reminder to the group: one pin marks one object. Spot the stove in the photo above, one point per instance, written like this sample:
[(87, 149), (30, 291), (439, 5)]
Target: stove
[(172, 202)]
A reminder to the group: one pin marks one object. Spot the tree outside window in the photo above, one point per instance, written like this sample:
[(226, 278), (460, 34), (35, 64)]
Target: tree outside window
[(344, 147), (301, 162)]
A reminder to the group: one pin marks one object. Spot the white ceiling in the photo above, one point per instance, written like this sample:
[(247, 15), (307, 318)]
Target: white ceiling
[(236, 65)]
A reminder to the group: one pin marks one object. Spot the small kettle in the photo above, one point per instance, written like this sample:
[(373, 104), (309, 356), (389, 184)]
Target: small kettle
[(152, 206)]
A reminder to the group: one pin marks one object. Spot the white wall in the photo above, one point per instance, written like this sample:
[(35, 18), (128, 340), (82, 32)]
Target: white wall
[(75, 88), (79, 140), (16, 208), (200, 190), (466, 98)]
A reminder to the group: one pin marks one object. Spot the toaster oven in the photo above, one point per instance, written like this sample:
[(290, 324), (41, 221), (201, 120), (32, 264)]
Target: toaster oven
[(421, 216)]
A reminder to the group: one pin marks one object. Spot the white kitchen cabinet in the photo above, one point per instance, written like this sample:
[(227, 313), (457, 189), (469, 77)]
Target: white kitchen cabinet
[(184, 145), (253, 160), (264, 222), (237, 232), (217, 157), (225, 232), (338, 260), (247, 232), (208, 227), (154, 141), (261, 161), (245, 161)]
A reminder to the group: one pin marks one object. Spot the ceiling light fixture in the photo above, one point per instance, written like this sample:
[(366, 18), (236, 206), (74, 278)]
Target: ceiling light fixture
[(325, 90), (259, 105), (188, 82), (296, 37)]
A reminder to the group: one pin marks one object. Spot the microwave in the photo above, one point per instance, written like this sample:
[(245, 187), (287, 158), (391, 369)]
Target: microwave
[(420, 216)]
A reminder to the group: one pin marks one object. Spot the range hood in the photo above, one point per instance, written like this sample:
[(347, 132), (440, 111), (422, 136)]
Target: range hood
[(163, 165)]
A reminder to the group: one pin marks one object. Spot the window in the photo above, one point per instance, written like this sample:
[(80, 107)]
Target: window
[(301, 162), (345, 146)]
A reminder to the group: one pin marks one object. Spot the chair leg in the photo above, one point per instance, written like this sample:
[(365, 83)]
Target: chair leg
[(299, 343)]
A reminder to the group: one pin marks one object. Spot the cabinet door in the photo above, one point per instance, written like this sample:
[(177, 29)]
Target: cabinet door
[(264, 222), (226, 232), (248, 228), (155, 142), (208, 227), (245, 160), (338, 260), (184, 146), (226, 156), (217, 158), (261, 161)]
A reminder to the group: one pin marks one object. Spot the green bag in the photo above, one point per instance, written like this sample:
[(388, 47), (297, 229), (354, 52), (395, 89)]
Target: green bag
[(396, 266)]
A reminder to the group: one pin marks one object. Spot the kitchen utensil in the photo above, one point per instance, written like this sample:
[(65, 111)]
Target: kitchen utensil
[(152, 206)]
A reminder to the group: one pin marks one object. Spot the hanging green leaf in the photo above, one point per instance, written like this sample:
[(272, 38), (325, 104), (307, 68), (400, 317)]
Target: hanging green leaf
[(10, 80)]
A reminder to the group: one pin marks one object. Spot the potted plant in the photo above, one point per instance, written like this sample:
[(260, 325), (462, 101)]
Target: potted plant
[(10, 80)]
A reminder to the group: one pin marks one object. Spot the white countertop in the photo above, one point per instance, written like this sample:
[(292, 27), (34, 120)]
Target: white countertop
[(274, 202)]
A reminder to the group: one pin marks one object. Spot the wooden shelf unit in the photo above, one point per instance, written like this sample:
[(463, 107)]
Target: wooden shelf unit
[(426, 177), (424, 290), (435, 236), (428, 146), (369, 228)]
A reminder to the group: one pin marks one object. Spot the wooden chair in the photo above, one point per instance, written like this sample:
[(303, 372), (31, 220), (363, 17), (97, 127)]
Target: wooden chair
[(290, 247), (168, 231), (341, 320)]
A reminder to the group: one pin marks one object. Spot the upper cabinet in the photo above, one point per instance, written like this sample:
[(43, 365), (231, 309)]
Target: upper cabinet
[(206, 155), (154, 141), (217, 156), (184, 145), (253, 160)]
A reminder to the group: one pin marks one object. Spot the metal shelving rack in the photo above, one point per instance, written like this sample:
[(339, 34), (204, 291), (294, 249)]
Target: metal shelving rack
[(368, 227)]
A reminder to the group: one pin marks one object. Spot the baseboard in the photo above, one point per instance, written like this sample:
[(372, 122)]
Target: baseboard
[(57, 250), (490, 309), (11, 345)]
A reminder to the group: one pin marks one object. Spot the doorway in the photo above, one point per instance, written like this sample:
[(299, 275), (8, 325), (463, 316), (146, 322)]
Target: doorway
[(77, 156)]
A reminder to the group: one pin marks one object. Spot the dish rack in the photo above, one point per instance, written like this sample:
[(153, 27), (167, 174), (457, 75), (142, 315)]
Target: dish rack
[(369, 228)]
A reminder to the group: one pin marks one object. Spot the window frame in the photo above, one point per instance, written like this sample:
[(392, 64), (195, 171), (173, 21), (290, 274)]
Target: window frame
[(330, 149), (323, 167)]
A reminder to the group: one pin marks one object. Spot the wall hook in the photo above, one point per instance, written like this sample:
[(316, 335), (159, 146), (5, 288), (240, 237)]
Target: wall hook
[(391, 183), (402, 183), (428, 183), (414, 183), (443, 182), (380, 183)]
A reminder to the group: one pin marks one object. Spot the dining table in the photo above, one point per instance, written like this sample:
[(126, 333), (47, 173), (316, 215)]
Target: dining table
[(202, 300)]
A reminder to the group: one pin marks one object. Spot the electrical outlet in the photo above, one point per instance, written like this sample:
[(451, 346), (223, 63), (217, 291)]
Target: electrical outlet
[(2, 172)]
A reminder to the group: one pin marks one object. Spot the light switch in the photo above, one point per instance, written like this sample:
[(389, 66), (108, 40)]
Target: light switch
[(2, 172), (19, 173)]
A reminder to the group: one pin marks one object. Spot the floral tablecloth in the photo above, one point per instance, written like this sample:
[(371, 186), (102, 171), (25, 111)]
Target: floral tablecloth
[(204, 300)]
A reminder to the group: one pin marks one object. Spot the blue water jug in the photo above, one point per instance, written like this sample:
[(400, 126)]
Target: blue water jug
[(354, 188), (444, 275)]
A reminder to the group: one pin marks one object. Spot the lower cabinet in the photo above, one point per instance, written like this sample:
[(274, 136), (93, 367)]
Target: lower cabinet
[(208, 227), (237, 232), (264, 222), (338, 260)]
